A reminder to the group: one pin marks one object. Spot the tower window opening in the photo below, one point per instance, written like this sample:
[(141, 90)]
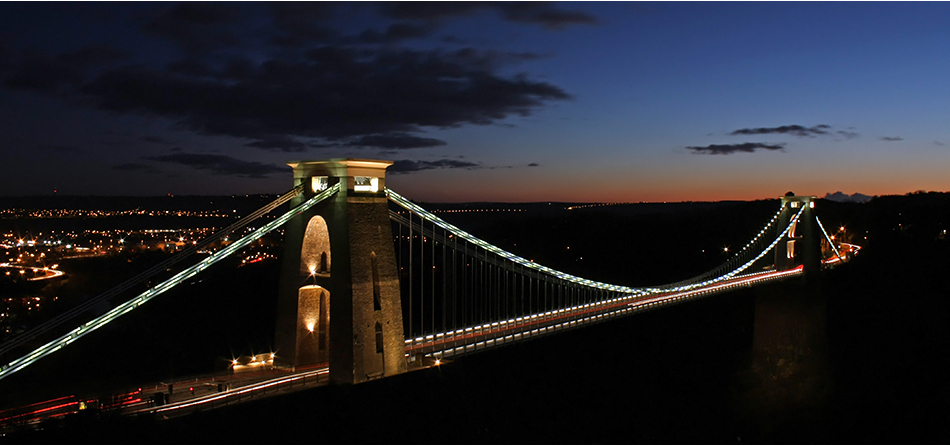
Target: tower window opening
[(377, 303), (319, 184), (324, 321), (366, 184), (379, 337)]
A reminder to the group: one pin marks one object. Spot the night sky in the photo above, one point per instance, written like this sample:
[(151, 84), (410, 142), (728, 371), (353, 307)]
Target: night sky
[(478, 102)]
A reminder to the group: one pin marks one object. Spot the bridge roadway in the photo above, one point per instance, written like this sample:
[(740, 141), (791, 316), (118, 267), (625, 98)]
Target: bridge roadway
[(490, 334), (240, 389), (424, 352), (221, 390)]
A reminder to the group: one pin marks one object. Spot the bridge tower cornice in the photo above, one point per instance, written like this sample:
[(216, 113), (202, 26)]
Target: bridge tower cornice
[(360, 175)]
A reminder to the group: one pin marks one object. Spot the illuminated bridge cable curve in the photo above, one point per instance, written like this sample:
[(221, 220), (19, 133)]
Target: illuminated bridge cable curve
[(830, 241), (402, 201), (735, 260), (140, 299), (460, 292), (145, 275), (738, 258), (747, 259)]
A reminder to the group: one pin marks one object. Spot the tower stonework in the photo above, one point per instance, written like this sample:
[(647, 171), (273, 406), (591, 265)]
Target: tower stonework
[(338, 298)]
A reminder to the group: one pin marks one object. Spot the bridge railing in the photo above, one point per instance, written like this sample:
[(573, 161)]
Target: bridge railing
[(239, 393)]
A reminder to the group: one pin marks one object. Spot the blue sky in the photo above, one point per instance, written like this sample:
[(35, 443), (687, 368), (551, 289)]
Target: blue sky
[(478, 102)]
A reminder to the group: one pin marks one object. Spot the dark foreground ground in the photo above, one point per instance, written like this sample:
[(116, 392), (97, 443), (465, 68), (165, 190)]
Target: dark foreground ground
[(685, 374)]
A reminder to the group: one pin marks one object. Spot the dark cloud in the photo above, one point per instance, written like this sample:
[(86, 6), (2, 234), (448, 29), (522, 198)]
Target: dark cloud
[(196, 27), (59, 148), (314, 89), (136, 167), (526, 56), (394, 141), (31, 70), (331, 93), (408, 166), (797, 130), (545, 14), (156, 139), (847, 134), (395, 33), (490, 60), (221, 164), (304, 38), (95, 55), (280, 143), (301, 15), (35, 70), (891, 138), (7, 54), (533, 165), (429, 10), (301, 23), (190, 67), (454, 40), (938, 143), (728, 149)]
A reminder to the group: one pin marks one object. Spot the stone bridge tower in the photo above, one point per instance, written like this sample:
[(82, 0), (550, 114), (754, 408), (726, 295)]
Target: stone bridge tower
[(802, 244), (789, 338), (338, 299)]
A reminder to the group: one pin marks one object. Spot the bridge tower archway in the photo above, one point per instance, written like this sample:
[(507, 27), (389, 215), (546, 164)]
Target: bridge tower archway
[(315, 248), (313, 296), (341, 248)]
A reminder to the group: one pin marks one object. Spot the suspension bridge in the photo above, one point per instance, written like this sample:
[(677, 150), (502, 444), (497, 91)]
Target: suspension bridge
[(373, 285)]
